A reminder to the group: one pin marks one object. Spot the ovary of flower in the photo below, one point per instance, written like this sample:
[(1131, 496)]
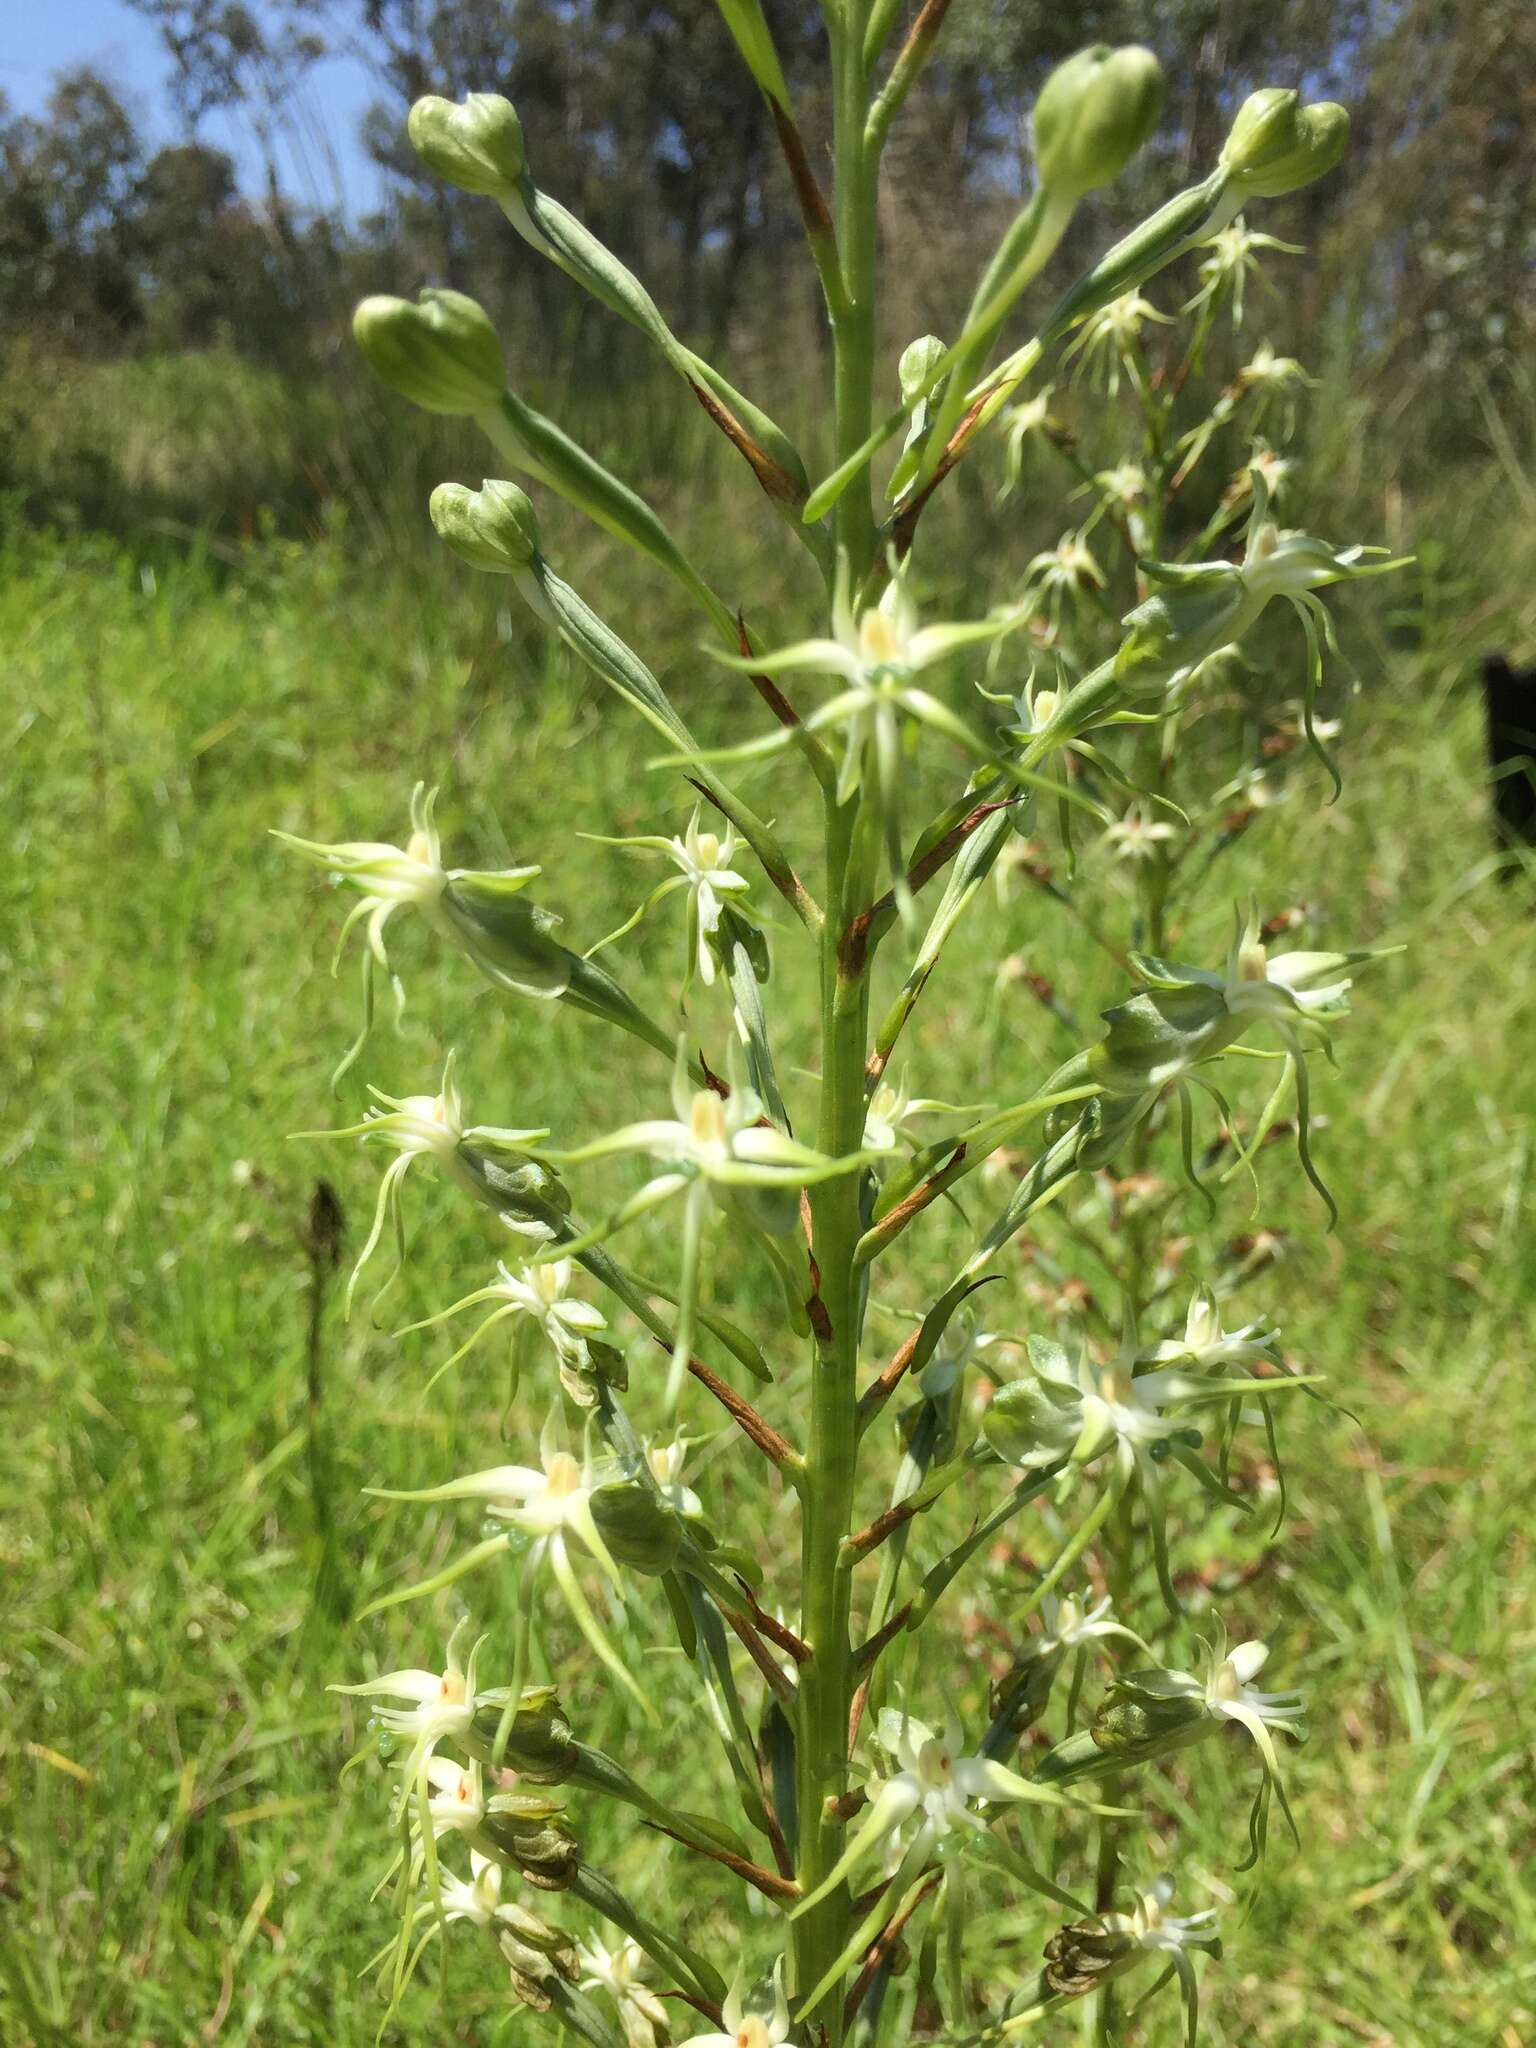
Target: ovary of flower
[(440, 1705), (418, 1127), (747, 2029), (1135, 836), (620, 1972), (932, 1783), (541, 1295)]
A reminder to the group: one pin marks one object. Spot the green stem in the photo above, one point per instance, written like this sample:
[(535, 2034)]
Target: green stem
[(827, 1482)]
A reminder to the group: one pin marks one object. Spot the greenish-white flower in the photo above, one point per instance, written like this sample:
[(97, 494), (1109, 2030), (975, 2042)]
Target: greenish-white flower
[(1232, 258), (1110, 342), (390, 879), (620, 1972), (1207, 1347), (539, 1301), (933, 1782), (422, 1127), (745, 2028), (437, 1706), (704, 862), (877, 654), (713, 1144)]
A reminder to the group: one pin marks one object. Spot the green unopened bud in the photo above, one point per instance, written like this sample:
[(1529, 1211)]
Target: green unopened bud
[(476, 144), (1277, 145), (637, 1526), (540, 1746), (1094, 112), (441, 353), (494, 528)]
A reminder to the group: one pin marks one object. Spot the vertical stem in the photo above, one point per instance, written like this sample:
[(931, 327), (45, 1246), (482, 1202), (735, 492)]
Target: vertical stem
[(827, 1484)]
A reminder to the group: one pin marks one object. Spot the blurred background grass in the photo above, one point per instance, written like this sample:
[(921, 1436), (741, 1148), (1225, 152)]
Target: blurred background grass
[(219, 614)]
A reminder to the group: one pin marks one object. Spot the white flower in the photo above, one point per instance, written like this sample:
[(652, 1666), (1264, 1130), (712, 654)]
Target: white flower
[(891, 1109), (1086, 1958), (666, 1467), (552, 1503), (1060, 576), (703, 860), (1111, 339), (711, 1144), (877, 654), (621, 1973), (1206, 1346), (1072, 1625), (440, 1704), (1021, 424), (933, 1783), (419, 1127), (748, 2029), (539, 1298), (1135, 836), (392, 878), (1232, 261)]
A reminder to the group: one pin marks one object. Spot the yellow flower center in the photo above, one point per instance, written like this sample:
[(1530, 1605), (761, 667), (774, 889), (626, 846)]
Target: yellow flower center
[(419, 849), (1252, 964), (707, 850), (752, 2033), (563, 1474), (452, 1688), (879, 642), (706, 1118)]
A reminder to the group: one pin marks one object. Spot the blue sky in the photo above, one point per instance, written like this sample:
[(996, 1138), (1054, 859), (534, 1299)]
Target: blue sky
[(320, 160)]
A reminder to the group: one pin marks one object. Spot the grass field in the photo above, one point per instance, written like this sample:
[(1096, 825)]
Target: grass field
[(179, 1863)]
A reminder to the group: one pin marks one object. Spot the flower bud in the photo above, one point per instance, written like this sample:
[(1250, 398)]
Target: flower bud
[(476, 144), (494, 528), (1094, 112), (1277, 145), (441, 353), (637, 1526)]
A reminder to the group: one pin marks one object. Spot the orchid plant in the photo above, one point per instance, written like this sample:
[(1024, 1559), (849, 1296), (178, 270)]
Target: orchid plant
[(938, 754)]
